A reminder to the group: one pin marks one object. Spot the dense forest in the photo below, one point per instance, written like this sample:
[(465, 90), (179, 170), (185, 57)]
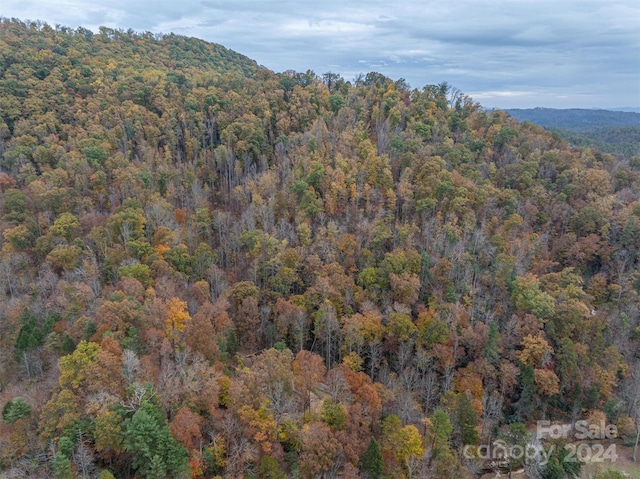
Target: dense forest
[(623, 140), (577, 119), (212, 270), (614, 132)]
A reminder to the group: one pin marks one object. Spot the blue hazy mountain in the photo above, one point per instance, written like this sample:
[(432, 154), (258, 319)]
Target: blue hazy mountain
[(616, 132), (576, 118)]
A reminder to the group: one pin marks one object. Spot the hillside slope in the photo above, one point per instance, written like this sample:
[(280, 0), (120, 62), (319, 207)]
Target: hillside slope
[(575, 118), (608, 131), (209, 269)]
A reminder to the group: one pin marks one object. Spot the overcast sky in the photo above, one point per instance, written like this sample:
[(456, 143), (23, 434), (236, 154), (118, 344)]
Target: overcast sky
[(504, 53)]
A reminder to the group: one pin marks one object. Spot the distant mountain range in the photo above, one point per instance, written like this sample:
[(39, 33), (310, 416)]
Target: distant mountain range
[(616, 132), (576, 118), (624, 108)]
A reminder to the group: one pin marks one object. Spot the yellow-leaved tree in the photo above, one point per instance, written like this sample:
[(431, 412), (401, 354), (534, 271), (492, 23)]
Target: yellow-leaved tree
[(177, 317)]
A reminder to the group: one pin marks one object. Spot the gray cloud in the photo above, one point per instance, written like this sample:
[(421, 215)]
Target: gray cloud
[(562, 53)]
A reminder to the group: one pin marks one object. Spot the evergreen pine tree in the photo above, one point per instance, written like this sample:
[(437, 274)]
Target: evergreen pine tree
[(62, 466), (157, 468), (371, 461), (467, 420), (526, 404), (15, 409), (155, 451)]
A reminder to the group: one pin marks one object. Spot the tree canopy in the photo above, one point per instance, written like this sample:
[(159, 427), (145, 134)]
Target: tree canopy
[(210, 269)]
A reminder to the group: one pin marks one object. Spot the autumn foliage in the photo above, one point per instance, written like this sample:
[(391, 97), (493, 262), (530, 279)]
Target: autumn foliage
[(208, 269)]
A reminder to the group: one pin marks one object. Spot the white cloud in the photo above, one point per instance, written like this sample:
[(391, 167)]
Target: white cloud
[(502, 94)]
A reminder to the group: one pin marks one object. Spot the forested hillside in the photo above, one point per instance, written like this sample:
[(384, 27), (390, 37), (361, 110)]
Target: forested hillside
[(623, 140), (616, 132), (577, 119), (208, 269)]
